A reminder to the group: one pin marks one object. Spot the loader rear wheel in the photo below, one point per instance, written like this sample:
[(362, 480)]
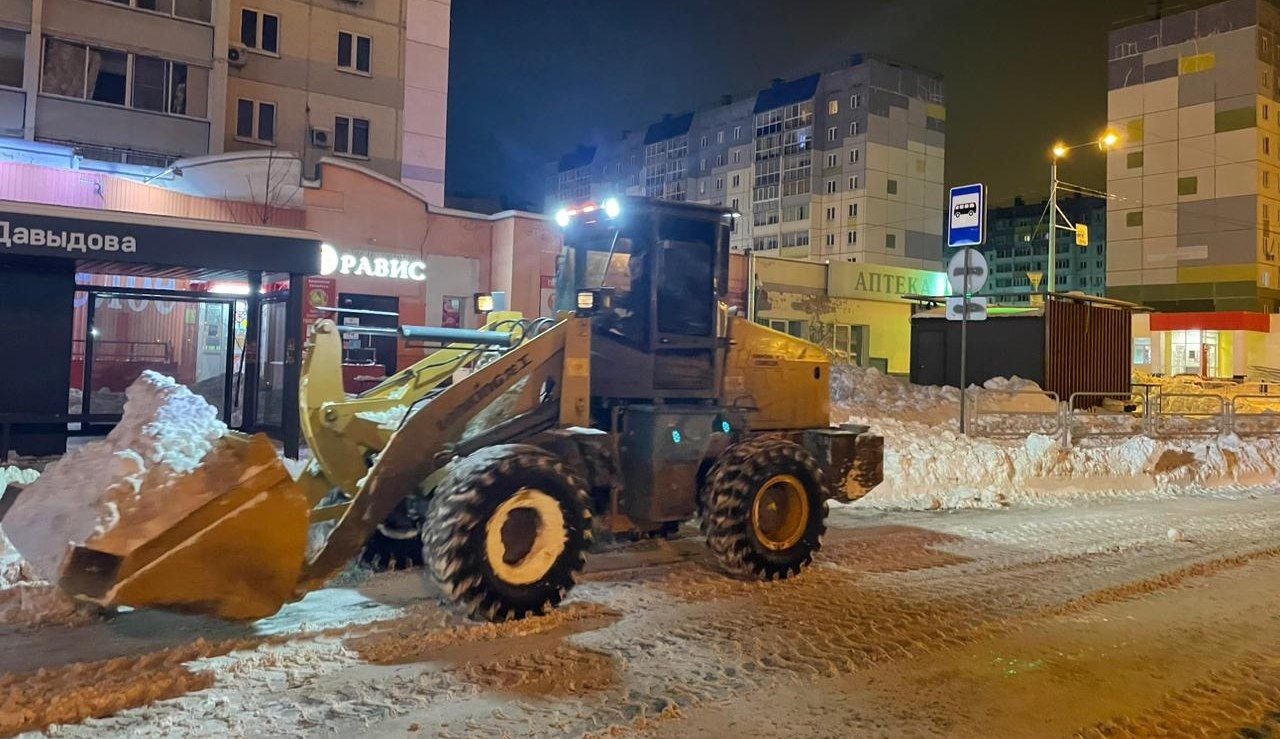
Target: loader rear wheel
[(507, 531), (765, 508)]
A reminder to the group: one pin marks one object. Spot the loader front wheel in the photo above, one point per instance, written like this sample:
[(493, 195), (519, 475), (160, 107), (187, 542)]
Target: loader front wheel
[(507, 531), (765, 508)]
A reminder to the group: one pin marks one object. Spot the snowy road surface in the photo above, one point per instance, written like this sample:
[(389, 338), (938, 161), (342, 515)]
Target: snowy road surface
[(1123, 618)]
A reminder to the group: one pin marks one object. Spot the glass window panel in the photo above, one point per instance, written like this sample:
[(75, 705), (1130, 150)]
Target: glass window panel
[(199, 10), (270, 33), (63, 72), (12, 52), (344, 49), (360, 137), (363, 53), (149, 83), (108, 72), (267, 121), (244, 118), (341, 134), (249, 28)]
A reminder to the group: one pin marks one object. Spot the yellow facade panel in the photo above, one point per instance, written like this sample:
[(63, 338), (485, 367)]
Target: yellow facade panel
[(1218, 273)]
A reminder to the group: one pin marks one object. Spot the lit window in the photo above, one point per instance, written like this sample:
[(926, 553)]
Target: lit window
[(351, 136), (354, 52), (260, 31), (119, 78), (833, 106)]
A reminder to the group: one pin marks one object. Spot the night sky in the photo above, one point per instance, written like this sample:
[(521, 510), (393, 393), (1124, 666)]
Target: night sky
[(529, 80)]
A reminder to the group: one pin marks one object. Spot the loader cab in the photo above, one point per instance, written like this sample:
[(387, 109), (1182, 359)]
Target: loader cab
[(661, 267)]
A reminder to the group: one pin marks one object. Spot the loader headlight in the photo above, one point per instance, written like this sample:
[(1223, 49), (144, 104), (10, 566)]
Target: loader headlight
[(562, 218), (594, 301), (612, 207), (483, 302)]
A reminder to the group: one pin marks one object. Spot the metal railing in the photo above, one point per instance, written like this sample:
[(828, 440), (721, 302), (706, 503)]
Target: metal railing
[(1255, 414), (996, 421), (1125, 415), (1189, 414)]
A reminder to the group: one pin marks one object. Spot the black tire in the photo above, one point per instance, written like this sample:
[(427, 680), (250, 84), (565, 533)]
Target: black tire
[(521, 490), (777, 537), (397, 543)]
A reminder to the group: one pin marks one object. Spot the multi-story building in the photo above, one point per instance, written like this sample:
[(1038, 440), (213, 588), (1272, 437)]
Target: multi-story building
[(1193, 96), (845, 164), (1017, 250), (1197, 179), (149, 82)]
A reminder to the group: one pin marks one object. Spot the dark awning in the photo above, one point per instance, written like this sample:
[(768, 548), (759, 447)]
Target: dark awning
[(112, 241)]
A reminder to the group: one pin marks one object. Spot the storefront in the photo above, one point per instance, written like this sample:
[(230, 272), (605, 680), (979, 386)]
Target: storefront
[(855, 310), (90, 299), (1211, 345)]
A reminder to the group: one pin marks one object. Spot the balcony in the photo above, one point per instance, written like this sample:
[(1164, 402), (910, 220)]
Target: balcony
[(99, 124)]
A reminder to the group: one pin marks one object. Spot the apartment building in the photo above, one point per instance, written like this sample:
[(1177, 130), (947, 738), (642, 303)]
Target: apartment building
[(1197, 172), (150, 82), (1017, 250), (845, 164)]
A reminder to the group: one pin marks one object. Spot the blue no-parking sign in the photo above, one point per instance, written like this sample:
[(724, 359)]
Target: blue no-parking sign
[(967, 216)]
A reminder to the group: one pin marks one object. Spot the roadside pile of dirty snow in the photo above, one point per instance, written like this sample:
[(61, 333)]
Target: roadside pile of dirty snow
[(166, 430), (929, 464)]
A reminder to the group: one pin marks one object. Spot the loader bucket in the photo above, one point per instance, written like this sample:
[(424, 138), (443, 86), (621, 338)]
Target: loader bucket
[(227, 539)]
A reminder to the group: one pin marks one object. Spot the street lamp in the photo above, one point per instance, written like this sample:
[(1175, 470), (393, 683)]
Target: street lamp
[(1106, 141)]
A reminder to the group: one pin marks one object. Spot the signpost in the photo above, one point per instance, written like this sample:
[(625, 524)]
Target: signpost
[(966, 227)]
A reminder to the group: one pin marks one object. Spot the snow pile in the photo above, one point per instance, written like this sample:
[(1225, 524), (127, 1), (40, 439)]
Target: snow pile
[(16, 475), (389, 419), (929, 464), (865, 392), (165, 429)]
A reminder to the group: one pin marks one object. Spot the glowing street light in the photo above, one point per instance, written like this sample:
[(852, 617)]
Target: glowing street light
[(1106, 141)]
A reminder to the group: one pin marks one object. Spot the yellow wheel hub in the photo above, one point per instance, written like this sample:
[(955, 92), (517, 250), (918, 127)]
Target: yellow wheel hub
[(525, 536), (780, 513)]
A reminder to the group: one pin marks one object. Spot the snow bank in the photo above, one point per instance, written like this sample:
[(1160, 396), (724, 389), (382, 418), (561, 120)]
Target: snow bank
[(929, 464), (165, 428)]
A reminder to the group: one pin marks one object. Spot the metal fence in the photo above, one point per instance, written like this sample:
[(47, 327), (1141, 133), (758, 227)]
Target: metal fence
[(1147, 410)]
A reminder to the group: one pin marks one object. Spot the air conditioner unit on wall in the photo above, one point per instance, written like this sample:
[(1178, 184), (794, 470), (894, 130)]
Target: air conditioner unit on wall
[(321, 139), (237, 56)]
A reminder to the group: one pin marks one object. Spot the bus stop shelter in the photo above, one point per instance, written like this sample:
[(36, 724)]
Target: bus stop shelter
[(94, 298)]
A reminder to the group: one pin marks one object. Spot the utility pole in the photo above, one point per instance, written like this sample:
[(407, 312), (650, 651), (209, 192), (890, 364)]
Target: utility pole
[(1053, 227)]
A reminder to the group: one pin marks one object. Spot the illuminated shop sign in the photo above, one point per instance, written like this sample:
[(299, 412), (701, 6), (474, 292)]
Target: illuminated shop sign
[(370, 264)]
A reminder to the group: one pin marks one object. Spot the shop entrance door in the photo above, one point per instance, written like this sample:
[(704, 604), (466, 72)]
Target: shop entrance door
[(366, 348), (270, 369), (126, 333)]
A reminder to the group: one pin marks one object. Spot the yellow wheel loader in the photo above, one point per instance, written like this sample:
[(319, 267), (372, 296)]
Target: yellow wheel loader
[(644, 404)]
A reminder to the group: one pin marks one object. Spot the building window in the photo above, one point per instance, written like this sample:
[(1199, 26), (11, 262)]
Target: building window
[(831, 239), (833, 106), (351, 136), (853, 210), (737, 180), (853, 128), (831, 214), (196, 10), (1266, 178), (734, 204), (831, 160), (855, 156), (702, 166), (831, 186), (851, 238), (702, 187), (702, 142), (719, 183), (12, 52), (260, 31), (255, 121), (855, 101), (119, 78), (720, 137), (892, 187), (854, 182), (891, 241), (833, 133), (1266, 144), (719, 160), (354, 52), (737, 132), (737, 156), (1188, 185), (1134, 159)]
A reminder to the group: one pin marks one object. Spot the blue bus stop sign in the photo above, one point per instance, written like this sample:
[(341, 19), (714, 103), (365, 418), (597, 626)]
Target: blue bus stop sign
[(966, 217)]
